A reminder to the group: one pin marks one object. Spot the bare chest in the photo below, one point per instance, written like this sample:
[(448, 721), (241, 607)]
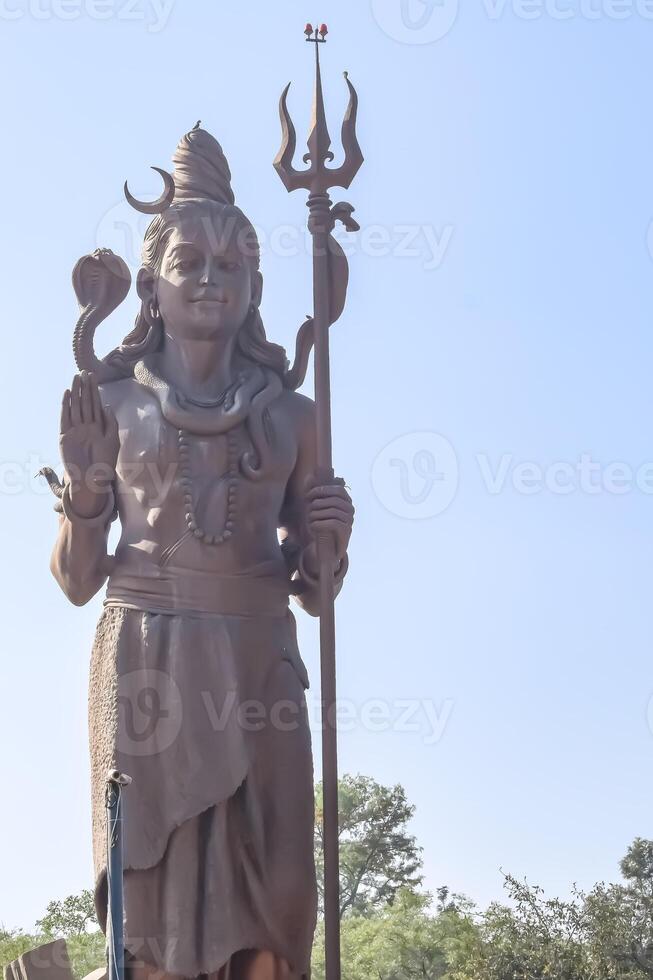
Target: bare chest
[(167, 476)]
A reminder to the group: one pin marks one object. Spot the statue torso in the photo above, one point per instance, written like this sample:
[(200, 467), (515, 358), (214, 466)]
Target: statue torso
[(153, 478)]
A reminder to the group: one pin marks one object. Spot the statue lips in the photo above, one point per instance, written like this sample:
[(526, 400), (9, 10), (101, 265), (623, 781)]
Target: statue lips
[(209, 300), (209, 311)]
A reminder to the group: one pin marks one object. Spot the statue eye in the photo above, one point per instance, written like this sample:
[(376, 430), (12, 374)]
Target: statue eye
[(228, 266), (185, 265)]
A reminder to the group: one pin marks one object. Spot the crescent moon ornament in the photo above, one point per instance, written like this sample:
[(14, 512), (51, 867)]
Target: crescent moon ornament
[(162, 203)]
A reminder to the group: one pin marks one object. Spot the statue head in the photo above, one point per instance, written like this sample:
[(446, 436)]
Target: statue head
[(200, 275), (200, 270)]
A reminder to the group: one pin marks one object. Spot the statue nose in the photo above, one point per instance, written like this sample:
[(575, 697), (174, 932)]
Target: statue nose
[(210, 274)]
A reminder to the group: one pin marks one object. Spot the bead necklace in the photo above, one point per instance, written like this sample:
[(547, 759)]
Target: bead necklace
[(187, 486)]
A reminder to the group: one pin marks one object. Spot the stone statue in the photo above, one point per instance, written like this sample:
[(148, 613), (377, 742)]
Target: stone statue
[(193, 436)]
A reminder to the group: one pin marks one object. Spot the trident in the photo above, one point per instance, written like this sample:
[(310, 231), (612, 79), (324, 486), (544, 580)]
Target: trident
[(330, 276)]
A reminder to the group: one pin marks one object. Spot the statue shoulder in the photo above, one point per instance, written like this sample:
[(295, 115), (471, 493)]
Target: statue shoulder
[(123, 394), (297, 411)]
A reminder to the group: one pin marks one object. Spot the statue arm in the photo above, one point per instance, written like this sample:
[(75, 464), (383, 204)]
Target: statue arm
[(80, 562)]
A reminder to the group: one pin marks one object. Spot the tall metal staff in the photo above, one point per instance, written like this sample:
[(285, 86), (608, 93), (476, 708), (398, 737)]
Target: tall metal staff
[(116, 781), (330, 273)]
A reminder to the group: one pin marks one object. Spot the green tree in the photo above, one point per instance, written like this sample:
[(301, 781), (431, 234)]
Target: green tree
[(378, 856), (534, 938), (74, 919), (403, 941), (620, 917), (86, 952), (605, 934), (70, 917), (637, 867), (388, 929)]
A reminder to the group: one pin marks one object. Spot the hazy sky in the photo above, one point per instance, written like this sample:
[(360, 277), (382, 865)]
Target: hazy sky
[(491, 394)]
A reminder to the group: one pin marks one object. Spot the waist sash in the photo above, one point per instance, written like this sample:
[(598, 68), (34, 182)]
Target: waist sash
[(262, 591)]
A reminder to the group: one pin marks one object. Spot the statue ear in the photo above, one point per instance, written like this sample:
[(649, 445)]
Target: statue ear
[(145, 285), (257, 288)]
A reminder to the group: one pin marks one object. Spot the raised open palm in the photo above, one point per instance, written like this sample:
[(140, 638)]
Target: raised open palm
[(88, 437)]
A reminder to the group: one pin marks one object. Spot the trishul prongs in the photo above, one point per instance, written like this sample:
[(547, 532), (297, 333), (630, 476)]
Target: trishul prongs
[(318, 177)]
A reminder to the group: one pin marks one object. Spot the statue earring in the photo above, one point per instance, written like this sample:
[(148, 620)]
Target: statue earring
[(154, 311)]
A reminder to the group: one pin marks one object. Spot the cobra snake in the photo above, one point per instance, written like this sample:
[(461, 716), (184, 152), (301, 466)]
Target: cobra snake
[(101, 282)]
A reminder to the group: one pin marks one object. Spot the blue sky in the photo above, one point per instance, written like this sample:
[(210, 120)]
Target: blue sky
[(491, 395)]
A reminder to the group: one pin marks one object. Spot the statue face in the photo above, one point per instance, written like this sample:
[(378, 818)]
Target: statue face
[(206, 283)]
